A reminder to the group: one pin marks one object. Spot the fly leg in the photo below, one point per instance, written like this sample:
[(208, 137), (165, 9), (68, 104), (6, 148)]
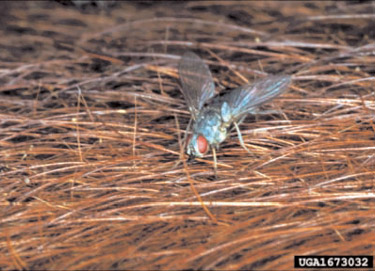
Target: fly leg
[(240, 137), (184, 143), (215, 160), (186, 133)]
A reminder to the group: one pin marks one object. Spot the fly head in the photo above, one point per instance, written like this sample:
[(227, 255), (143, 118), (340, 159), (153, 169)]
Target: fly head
[(197, 146)]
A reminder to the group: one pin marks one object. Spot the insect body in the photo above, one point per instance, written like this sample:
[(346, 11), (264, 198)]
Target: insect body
[(215, 116)]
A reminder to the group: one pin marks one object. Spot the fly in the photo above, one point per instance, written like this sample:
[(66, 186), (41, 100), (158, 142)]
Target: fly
[(214, 117)]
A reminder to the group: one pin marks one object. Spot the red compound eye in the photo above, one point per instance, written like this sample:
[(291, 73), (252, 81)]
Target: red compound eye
[(202, 144)]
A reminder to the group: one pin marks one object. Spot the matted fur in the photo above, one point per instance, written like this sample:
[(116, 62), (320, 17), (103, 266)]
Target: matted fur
[(92, 171)]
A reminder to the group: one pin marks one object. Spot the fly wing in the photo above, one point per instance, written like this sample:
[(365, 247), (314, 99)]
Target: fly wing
[(247, 98), (196, 80)]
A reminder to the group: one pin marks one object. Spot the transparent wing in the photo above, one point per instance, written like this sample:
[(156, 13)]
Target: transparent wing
[(247, 98), (196, 80)]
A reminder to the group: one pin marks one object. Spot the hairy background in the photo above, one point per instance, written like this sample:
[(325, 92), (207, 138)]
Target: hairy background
[(93, 175)]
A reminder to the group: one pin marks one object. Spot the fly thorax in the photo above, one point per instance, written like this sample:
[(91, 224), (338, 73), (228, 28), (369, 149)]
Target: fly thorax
[(210, 125)]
